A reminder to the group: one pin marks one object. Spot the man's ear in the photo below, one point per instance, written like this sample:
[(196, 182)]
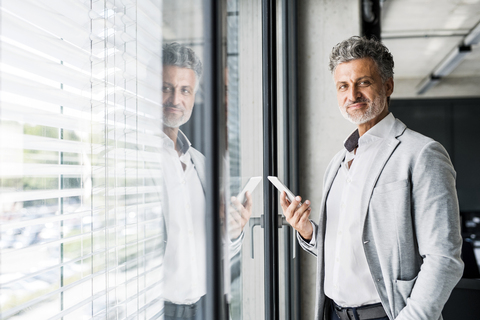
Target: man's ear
[(389, 87)]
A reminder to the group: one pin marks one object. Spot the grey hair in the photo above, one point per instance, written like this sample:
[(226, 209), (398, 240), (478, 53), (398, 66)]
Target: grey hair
[(360, 47), (175, 54)]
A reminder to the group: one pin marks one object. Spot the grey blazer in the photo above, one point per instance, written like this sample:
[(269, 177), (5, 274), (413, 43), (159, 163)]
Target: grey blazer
[(411, 229)]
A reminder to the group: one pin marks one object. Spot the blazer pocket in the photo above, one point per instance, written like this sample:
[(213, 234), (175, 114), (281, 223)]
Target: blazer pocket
[(403, 289), (389, 187)]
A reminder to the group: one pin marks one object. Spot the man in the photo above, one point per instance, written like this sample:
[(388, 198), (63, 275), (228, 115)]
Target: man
[(388, 241), (183, 170)]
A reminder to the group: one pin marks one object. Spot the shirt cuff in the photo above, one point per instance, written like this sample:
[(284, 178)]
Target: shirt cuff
[(313, 241)]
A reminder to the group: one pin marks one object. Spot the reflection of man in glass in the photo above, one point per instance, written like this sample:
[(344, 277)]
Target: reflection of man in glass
[(184, 172)]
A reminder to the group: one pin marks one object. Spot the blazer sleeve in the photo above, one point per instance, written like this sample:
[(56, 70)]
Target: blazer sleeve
[(310, 247), (436, 219)]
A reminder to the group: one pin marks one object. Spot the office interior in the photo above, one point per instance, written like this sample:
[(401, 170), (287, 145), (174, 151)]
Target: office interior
[(81, 182)]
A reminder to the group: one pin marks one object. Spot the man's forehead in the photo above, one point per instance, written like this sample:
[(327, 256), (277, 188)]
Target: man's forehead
[(360, 68), (179, 73)]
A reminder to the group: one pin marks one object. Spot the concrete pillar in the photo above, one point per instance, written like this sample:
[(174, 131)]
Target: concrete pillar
[(321, 25)]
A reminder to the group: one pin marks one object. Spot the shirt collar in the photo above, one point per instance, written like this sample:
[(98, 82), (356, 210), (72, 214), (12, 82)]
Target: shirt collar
[(182, 141), (378, 131)]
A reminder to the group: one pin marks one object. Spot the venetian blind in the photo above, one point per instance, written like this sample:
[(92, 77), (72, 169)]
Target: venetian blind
[(80, 189)]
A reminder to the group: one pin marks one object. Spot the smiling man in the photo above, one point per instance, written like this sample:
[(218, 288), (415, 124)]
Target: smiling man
[(388, 241)]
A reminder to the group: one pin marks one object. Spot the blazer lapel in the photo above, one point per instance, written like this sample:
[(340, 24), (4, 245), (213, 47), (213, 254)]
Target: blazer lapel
[(331, 174), (381, 158), (198, 160), (336, 162)]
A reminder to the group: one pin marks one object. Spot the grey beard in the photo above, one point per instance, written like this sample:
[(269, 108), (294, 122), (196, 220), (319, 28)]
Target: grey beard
[(374, 109), (173, 123)]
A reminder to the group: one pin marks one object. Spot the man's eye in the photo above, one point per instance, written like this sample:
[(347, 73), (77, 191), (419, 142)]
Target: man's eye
[(342, 87), (365, 83), (166, 89), (186, 91)]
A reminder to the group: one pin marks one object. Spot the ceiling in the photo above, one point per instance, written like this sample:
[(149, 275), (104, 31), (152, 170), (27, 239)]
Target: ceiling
[(420, 34)]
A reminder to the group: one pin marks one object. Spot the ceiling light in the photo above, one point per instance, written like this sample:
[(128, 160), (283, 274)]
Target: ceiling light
[(473, 37), (451, 61), (427, 83)]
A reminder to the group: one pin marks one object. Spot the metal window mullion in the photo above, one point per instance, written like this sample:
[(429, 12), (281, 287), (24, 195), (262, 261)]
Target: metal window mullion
[(290, 154), (214, 147), (269, 81)]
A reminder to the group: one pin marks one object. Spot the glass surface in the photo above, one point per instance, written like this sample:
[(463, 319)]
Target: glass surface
[(245, 150), (80, 188)]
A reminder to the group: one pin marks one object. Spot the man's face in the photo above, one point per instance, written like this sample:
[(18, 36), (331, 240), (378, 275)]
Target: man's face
[(178, 95), (361, 93)]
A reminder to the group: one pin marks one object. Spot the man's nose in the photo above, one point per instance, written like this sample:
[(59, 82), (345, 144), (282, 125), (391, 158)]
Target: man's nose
[(353, 93), (175, 97)]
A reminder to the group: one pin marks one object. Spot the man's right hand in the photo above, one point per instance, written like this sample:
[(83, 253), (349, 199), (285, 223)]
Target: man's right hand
[(298, 217)]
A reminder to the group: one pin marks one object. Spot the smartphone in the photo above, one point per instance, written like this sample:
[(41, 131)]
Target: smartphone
[(290, 196), (249, 186), (281, 187)]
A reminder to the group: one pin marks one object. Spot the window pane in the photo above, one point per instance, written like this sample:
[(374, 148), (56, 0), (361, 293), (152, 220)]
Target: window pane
[(245, 149)]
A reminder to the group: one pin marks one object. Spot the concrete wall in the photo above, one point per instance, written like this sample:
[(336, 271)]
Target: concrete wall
[(321, 25)]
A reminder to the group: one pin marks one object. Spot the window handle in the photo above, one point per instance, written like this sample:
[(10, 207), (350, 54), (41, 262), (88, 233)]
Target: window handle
[(282, 221), (255, 221), (259, 221)]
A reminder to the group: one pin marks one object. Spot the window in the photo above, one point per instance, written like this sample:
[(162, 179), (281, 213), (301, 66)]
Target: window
[(93, 189), (80, 189)]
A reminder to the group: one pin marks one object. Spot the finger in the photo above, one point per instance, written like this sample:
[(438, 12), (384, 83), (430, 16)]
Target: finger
[(249, 202), (285, 204), (292, 209), (235, 214), (235, 203), (283, 201), (302, 216), (237, 219), (245, 213), (305, 205), (306, 217), (296, 201)]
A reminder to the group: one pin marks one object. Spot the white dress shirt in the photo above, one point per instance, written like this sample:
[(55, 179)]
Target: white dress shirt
[(348, 281), (185, 252)]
